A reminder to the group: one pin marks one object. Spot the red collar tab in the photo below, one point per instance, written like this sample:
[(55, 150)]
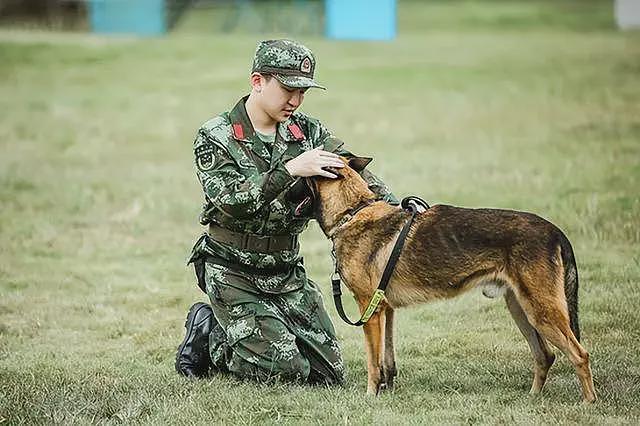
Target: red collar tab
[(238, 131), (295, 131)]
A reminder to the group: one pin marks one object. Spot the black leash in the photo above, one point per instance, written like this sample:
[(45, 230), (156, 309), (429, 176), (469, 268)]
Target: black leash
[(411, 204)]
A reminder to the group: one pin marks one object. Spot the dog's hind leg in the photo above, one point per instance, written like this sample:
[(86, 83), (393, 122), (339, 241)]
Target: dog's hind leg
[(542, 355), (555, 327), (389, 362), (546, 307)]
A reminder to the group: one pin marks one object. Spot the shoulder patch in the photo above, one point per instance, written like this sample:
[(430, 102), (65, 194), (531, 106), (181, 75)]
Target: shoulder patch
[(205, 157)]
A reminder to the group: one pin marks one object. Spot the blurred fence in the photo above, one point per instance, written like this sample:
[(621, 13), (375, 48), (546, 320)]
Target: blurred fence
[(142, 17), (254, 16), (257, 16), (44, 14), (313, 17)]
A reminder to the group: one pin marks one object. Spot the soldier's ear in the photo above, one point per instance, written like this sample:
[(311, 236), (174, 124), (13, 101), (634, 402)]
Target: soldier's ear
[(256, 81), (359, 163)]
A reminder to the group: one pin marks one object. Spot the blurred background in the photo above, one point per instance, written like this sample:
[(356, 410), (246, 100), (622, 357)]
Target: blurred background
[(531, 105), (309, 17)]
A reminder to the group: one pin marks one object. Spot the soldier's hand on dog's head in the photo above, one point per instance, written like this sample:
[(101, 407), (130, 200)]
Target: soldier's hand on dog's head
[(314, 163), (335, 171)]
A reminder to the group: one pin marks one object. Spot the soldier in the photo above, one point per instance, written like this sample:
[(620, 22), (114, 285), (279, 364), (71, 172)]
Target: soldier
[(266, 319)]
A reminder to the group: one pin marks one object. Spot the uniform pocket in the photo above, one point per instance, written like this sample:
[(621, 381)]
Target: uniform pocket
[(232, 287), (258, 283), (228, 288), (240, 327), (281, 283)]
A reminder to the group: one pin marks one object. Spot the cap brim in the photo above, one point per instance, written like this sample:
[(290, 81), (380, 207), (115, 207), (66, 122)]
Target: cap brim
[(297, 81)]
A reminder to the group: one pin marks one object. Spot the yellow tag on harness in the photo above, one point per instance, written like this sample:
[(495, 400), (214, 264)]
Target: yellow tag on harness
[(377, 297)]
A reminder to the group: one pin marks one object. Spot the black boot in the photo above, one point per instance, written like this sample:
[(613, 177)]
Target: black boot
[(192, 359)]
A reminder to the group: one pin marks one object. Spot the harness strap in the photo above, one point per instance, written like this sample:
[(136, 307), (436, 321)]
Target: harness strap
[(411, 204)]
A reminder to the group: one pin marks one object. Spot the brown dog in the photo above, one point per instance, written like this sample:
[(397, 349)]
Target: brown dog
[(450, 250)]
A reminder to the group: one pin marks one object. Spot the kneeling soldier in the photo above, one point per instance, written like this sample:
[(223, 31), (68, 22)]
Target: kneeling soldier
[(266, 319)]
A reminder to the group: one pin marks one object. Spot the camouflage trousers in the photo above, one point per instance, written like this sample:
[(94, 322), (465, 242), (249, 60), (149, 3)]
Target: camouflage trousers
[(271, 327)]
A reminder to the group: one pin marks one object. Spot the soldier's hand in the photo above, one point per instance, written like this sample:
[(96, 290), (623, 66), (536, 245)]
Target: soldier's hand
[(312, 163)]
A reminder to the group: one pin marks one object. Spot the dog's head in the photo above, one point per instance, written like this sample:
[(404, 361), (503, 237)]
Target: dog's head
[(333, 197)]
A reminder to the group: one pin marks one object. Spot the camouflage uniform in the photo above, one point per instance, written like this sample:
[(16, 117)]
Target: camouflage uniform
[(272, 322)]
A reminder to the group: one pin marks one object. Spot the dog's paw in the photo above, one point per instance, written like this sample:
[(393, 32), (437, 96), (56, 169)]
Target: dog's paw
[(381, 388)]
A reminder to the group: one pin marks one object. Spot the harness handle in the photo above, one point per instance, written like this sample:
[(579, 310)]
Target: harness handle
[(418, 203)]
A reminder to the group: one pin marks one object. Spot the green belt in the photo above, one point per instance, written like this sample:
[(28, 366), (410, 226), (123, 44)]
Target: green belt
[(253, 242)]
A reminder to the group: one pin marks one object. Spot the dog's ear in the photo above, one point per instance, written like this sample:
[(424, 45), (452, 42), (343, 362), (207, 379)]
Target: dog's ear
[(359, 163)]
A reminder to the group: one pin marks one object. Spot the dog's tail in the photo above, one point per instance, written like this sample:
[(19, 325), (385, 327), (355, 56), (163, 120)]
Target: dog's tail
[(570, 283)]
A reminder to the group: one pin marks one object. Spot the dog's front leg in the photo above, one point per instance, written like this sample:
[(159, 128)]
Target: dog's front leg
[(389, 363), (374, 343)]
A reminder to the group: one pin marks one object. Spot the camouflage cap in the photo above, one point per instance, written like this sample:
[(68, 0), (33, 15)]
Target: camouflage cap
[(288, 61)]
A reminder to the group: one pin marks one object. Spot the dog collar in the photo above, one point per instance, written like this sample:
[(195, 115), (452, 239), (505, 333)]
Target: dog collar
[(349, 215)]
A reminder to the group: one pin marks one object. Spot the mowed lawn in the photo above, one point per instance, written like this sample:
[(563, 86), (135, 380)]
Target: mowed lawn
[(528, 105)]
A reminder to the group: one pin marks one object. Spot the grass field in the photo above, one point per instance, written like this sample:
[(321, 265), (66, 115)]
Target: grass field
[(524, 105)]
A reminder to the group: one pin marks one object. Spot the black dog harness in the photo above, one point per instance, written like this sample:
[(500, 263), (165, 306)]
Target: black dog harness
[(410, 204)]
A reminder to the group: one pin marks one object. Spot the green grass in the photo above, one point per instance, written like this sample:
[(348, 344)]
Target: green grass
[(99, 203)]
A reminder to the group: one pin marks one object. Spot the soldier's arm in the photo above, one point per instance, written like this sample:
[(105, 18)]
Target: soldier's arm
[(229, 190), (376, 185)]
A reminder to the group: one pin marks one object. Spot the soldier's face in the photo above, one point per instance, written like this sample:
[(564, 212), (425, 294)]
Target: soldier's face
[(280, 101)]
